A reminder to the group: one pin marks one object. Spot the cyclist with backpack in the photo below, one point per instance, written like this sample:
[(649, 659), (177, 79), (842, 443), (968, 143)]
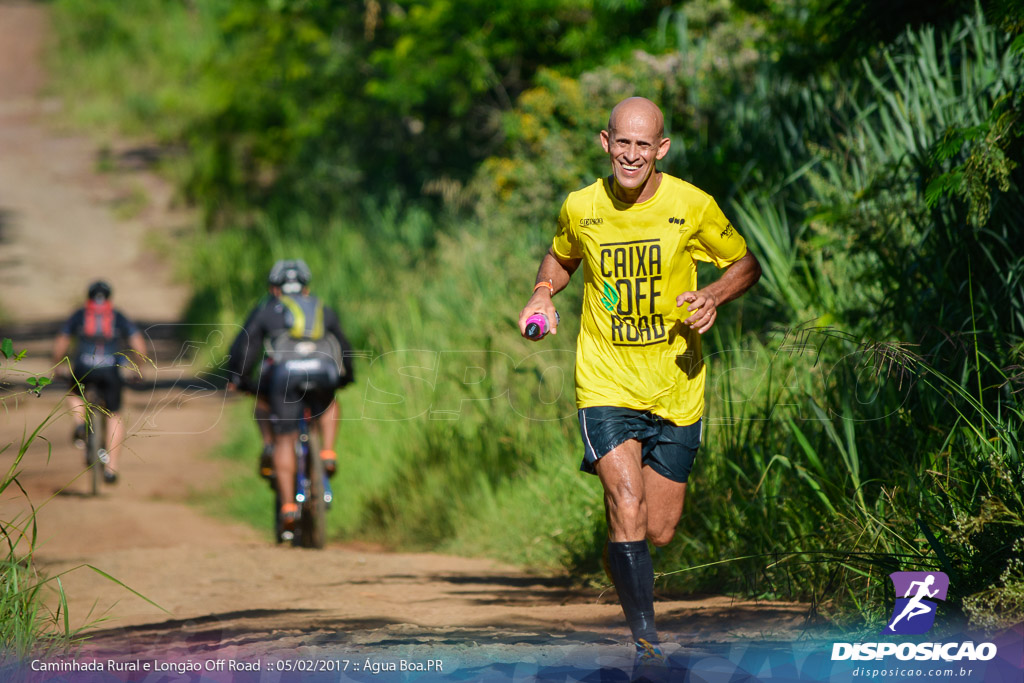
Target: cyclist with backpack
[(304, 357), (100, 333)]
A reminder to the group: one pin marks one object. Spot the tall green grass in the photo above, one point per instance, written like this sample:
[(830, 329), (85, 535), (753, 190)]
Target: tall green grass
[(815, 480), (27, 625)]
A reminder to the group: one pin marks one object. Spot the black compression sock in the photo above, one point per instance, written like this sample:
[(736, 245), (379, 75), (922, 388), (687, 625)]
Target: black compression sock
[(633, 574)]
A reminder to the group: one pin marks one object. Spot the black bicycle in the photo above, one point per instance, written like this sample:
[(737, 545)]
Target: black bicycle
[(313, 493), (96, 457)]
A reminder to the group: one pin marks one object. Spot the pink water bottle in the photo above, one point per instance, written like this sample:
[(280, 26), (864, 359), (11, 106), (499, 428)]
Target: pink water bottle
[(537, 325)]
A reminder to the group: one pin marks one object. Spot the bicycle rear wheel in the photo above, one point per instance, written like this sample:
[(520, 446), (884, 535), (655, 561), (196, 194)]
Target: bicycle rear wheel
[(314, 509), (95, 438), (278, 526)]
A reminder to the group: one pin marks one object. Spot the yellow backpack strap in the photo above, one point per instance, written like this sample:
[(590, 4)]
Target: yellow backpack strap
[(298, 327), (318, 321), (302, 328)]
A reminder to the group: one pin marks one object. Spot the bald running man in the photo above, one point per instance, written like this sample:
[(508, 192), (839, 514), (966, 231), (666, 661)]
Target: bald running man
[(639, 368)]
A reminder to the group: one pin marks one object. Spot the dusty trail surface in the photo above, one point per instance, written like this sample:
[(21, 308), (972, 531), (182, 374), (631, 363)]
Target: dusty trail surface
[(223, 589)]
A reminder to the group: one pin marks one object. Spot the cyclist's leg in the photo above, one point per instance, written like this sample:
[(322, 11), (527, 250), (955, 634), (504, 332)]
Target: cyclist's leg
[(262, 416), (76, 406), (284, 465), (285, 412), (327, 426), (115, 438), (261, 412), (110, 388)]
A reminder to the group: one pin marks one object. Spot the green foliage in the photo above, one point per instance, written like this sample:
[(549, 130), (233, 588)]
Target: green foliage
[(457, 57), (7, 348), (310, 102), (987, 163), (831, 484), (858, 190), (137, 71), (551, 145), (821, 33)]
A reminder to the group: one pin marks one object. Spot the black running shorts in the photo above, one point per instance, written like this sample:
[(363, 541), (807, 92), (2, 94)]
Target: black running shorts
[(290, 390), (107, 382), (666, 447)]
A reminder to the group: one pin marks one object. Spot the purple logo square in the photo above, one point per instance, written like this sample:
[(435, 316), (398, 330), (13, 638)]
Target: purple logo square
[(916, 593)]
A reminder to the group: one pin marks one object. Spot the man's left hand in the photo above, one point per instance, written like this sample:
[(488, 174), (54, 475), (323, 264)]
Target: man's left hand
[(704, 308)]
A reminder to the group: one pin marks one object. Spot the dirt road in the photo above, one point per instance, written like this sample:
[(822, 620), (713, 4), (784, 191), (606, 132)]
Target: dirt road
[(216, 589)]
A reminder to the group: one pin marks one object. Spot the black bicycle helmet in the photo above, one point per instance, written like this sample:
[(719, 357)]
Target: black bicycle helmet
[(291, 275), (99, 291)]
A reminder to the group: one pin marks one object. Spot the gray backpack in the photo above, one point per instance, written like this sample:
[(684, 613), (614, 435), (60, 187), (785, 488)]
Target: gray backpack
[(305, 346)]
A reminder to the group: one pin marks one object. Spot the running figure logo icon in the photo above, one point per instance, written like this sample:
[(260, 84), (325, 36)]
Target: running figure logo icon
[(914, 612)]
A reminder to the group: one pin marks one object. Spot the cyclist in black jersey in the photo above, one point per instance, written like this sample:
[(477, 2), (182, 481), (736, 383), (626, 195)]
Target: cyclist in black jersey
[(303, 357), (100, 334)]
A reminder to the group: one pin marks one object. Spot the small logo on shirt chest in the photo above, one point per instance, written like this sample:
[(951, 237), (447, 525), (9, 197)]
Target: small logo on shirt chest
[(584, 222)]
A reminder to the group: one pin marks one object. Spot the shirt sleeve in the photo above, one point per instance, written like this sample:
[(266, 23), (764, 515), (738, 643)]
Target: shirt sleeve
[(73, 324), (717, 240), (123, 325), (245, 350), (566, 244)]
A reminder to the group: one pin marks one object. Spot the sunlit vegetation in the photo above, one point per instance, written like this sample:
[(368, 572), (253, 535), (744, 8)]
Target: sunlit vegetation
[(864, 411)]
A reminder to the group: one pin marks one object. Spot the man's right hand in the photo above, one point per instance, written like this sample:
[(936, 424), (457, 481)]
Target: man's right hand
[(555, 272), (540, 302)]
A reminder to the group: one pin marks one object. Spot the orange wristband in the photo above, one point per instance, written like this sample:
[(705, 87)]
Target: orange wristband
[(544, 283)]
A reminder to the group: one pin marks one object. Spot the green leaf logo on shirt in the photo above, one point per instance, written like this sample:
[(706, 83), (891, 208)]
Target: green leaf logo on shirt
[(610, 298)]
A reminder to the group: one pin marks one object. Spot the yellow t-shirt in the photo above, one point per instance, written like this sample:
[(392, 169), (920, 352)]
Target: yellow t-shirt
[(633, 350)]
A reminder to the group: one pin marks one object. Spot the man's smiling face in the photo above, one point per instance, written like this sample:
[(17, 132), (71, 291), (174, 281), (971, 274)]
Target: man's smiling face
[(634, 142)]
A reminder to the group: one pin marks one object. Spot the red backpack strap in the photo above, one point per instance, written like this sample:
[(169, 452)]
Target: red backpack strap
[(99, 320)]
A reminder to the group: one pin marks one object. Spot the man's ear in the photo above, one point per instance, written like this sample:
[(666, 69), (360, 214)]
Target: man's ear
[(663, 148), (604, 141)]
